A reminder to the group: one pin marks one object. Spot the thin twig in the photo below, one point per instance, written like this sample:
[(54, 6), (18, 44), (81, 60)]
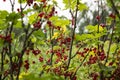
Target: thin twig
[(110, 43), (73, 34)]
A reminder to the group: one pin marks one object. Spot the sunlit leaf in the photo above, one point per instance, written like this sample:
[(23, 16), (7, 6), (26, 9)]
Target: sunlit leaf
[(113, 47), (33, 39), (92, 53), (92, 28), (18, 24), (56, 47), (32, 18), (39, 34), (3, 25), (3, 14), (21, 1), (13, 17), (56, 35), (82, 7)]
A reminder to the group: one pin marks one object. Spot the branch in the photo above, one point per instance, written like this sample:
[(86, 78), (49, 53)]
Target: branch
[(73, 33), (110, 43), (52, 45), (2, 62)]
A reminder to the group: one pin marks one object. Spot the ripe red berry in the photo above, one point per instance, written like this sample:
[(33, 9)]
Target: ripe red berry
[(8, 38), (29, 2), (26, 65), (37, 25), (74, 78), (27, 52), (112, 16), (111, 63), (53, 9), (58, 54), (95, 50), (102, 57), (46, 17), (65, 57), (68, 39), (49, 23), (48, 61), (94, 76), (103, 25), (82, 54), (36, 52), (4, 0), (98, 17), (41, 59), (18, 10), (57, 60), (41, 14), (50, 15), (92, 59)]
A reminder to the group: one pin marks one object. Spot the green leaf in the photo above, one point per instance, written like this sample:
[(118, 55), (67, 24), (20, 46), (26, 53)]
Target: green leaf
[(28, 76), (82, 7), (56, 47), (39, 34), (32, 18), (1, 21), (13, 17), (62, 22), (40, 42), (22, 1), (1, 42), (113, 47), (70, 4), (54, 18), (92, 28), (66, 2), (59, 22), (33, 39), (27, 11), (106, 45), (18, 24), (3, 24), (13, 35), (84, 37), (3, 14)]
